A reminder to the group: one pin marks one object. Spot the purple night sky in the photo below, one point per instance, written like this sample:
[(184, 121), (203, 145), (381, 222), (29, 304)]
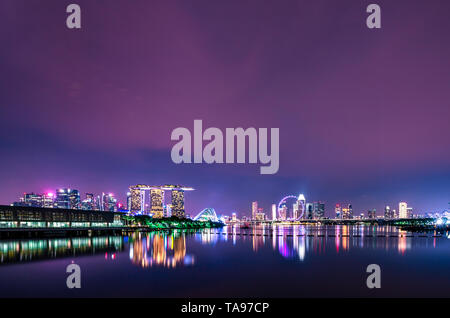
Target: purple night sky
[(363, 114)]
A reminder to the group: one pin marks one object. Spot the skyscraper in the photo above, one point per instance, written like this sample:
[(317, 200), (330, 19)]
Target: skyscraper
[(347, 212), (274, 212), (283, 212), (301, 201), (67, 199), (178, 203), (89, 202), (129, 201), (254, 209), (309, 211), (338, 211), (372, 214), (109, 202), (403, 210), (74, 199), (157, 203), (295, 210), (319, 210), (388, 213), (409, 212)]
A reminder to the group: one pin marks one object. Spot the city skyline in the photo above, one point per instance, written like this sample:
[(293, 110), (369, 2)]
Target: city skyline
[(362, 113), (108, 202)]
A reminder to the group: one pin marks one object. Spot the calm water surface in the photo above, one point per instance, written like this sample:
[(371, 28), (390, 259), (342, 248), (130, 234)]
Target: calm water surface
[(266, 261)]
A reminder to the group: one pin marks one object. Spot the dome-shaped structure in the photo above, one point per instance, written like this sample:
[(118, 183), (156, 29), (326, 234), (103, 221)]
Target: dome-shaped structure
[(208, 214)]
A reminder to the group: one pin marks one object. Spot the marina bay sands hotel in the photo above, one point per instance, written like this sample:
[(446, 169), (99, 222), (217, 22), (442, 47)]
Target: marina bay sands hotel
[(156, 206)]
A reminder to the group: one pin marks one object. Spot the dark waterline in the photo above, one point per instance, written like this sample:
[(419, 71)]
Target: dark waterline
[(282, 261)]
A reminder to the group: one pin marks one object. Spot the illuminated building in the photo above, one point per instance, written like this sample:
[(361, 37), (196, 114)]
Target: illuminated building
[(48, 200), (67, 199), (254, 209), (318, 210), (309, 211), (168, 210), (74, 199), (283, 212), (178, 203), (403, 210), (98, 203), (274, 212), (347, 212), (138, 199), (388, 213), (109, 203), (260, 216), (88, 203), (157, 202), (233, 217), (129, 201), (294, 210), (338, 211), (33, 217), (36, 200), (372, 214), (409, 212), (301, 206)]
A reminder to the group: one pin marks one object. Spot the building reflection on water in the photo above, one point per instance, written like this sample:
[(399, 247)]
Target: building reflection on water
[(296, 242), (160, 249), (169, 248), (12, 251)]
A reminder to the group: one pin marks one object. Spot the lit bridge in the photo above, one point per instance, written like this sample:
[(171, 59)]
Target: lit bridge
[(208, 214)]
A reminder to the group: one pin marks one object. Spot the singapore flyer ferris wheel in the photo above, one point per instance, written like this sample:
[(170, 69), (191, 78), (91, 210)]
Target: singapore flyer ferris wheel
[(301, 207)]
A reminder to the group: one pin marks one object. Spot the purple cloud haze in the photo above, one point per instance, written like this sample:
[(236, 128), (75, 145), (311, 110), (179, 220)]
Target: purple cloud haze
[(363, 114)]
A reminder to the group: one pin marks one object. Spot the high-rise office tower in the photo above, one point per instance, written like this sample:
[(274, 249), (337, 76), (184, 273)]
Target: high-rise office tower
[(301, 201), (309, 211), (388, 213), (347, 212), (254, 209), (409, 212), (74, 199), (178, 203), (283, 212), (338, 211), (372, 214), (319, 210), (98, 203), (129, 201), (260, 216), (48, 200), (31, 199), (109, 203), (403, 210), (137, 198), (295, 211), (274, 212), (89, 202), (62, 199), (67, 199), (157, 203)]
